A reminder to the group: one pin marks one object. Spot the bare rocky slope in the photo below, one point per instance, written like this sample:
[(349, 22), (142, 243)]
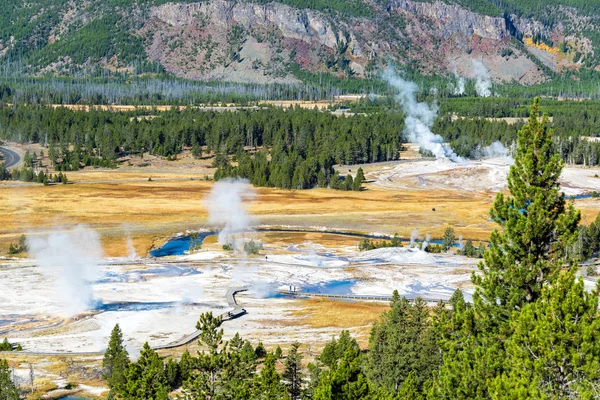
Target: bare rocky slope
[(274, 42)]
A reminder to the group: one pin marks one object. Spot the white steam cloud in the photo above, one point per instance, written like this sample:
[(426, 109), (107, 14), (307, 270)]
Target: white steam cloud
[(419, 118), (459, 88), (414, 236), (71, 259), (483, 83), (426, 242), (131, 253), (495, 150), (227, 212)]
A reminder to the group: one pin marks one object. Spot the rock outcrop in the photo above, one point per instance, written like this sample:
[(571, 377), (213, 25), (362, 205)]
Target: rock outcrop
[(305, 25), (452, 19)]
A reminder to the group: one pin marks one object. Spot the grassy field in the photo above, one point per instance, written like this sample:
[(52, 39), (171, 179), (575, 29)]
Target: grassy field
[(154, 210), (123, 201)]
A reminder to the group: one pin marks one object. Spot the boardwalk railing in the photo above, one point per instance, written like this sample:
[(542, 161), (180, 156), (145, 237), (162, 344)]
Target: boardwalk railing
[(226, 316), (235, 312), (356, 296)]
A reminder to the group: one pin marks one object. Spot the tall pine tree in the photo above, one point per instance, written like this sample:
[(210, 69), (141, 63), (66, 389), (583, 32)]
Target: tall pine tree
[(554, 351), (8, 390), (537, 228), (267, 385), (116, 361), (293, 372)]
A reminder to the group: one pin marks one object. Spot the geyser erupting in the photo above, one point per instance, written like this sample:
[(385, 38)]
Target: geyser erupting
[(71, 259), (226, 210), (419, 118)]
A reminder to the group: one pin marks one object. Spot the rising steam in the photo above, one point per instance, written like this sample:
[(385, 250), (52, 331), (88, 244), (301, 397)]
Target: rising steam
[(419, 118), (227, 212), (131, 253), (459, 85), (71, 259), (483, 83), (459, 88), (495, 150)]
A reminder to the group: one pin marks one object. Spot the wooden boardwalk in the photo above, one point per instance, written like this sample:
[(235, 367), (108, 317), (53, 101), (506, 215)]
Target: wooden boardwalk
[(235, 312), (357, 296)]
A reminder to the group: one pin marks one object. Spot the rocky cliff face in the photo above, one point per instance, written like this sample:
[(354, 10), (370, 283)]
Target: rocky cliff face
[(268, 35), (245, 41), (305, 25), (452, 19), (271, 36)]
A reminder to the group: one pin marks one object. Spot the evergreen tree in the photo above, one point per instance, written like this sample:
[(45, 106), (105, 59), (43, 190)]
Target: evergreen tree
[(278, 353), (348, 183), (554, 351), (314, 374), (410, 389), (293, 372), (116, 361), (448, 240), (196, 150), (173, 374), (8, 390), (186, 364), (401, 343), (396, 241), (267, 385), (335, 349), (239, 369), (538, 228), (224, 370), (146, 378), (359, 179), (260, 350), (5, 345), (468, 250), (344, 380)]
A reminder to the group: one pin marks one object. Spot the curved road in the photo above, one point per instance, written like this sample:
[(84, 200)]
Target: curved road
[(11, 158)]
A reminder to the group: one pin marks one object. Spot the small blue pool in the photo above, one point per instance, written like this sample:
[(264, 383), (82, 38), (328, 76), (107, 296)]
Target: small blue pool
[(179, 245)]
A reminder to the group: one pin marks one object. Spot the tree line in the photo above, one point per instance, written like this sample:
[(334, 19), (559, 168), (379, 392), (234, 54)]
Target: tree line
[(470, 136), (28, 174), (288, 148)]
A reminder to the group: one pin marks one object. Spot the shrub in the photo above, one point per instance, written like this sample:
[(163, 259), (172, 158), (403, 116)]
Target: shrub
[(252, 247), (591, 270)]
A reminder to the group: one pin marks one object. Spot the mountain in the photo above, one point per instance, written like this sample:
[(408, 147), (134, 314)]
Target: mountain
[(291, 40)]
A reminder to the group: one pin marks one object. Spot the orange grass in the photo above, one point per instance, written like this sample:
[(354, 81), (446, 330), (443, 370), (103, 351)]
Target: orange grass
[(152, 211)]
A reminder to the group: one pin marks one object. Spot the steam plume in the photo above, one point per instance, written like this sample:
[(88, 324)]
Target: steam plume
[(414, 235), (459, 87), (496, 149), (71, 259), (226, 210), (426, 242), (131, 253), (419, 118), (483, 83)]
